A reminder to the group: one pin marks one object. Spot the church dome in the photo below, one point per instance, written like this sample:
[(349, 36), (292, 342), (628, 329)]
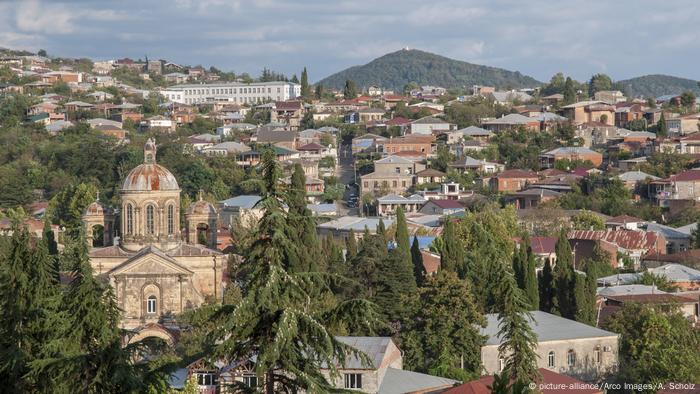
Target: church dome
[(97, 209), (201, 207), (150, 176)]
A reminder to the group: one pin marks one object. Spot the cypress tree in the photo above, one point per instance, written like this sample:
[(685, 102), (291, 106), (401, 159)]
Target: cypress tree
[(452, 256), (518, 342), (519, 261), (305, 88), (403, 243), (661, 127), (381, 230), (585, 291), (276, 320), (305, 255), (546, 288), (530, 276), (417, 260), (350, 245), (564, 278), (396, 286)]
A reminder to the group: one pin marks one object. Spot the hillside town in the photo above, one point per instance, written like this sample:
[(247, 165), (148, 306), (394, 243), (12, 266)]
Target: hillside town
[(182, 229)]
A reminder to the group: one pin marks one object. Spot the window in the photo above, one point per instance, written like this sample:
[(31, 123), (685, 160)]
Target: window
[(206, 379), (150, 224), (571, 358), (353, 380), (550, 359), (394, 183), (129, 219), (597, 355), (250, 380), (171, 219), (397, 170), (151, 305)]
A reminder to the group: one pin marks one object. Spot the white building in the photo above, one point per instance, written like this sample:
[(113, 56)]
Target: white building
[(240, 93)]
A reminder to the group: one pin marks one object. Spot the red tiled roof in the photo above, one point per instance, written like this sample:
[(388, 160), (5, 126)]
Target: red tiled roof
[(657, 298), (447, 204), (288, 105), (550, 383), (685, 176), (394, 97), (310, 147), (624, 219), (517, 173), (627, 239), (543, 245), (431, 262), (397, 121)]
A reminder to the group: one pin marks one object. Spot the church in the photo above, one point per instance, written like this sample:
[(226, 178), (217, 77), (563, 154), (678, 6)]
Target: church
[(157, 270)]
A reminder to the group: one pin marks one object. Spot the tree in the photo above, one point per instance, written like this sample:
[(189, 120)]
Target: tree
[(305, 88), (396, 286), (350, 90), (527, 274), (564, 277), (417, 260), (599, 82), (42, 52), (688, 99), (351, 245), (278, 320), (587, 220), (452, 256), (654, 346), (695, 236), (661, 128), (318, 93), (443, 337), (518, 341), (301, 226), (546, 288), (584, 297), (569, 91), (403, 244)]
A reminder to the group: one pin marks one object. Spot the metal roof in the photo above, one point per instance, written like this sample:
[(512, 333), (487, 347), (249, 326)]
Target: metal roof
[(245, 201), (547, 327), (374, 347), (399, 381)]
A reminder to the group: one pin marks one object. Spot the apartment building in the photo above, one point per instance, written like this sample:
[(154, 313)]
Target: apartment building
[(236, 92)]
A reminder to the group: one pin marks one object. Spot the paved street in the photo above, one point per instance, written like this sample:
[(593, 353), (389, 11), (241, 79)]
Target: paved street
[(346, 176)]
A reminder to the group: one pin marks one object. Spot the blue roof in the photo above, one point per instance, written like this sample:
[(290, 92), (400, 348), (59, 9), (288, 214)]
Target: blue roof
[(246, 201)]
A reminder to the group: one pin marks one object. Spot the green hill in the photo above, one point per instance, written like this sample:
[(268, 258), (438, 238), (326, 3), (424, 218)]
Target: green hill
[(395, 70), (657, 85)]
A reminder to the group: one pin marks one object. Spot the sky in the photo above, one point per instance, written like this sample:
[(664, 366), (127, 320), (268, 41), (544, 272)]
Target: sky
[(621, 38)]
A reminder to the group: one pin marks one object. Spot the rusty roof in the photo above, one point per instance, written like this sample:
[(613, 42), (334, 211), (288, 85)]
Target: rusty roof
[(626, 239), (150, 177)]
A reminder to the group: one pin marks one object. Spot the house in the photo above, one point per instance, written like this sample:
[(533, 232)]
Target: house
[(367, 143), (381, 373), (159, 123), (289, 112), (387, 205), (468, 163), (610, 96), (553, 99), (429, 124), (632, 179), (59, 125), (590, 111), (447, 191), (240, 211), (476, 133), (676, 241), (682, 186), (430, 175), (228, 148), (314, 188), (410, 143), (281, 138), (510, 97), (340, 228), (252, 157), (549, 382), (75, 106), (314, 150), (629, 243), (659, 300), (625, 222), (626, 113), (370, 114), (544, 249), (685, 278), (512, 180), (564, 346), (683, 125), (511, 121), (441, 207), (392, 174), (572, 154), (531, 198)]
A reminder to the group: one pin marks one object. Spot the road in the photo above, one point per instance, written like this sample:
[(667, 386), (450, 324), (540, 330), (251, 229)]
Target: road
[(346, 175)]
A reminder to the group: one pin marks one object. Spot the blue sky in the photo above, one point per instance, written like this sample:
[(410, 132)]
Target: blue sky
[(536, 37)]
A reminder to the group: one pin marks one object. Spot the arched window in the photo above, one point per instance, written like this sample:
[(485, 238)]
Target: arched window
[(550, 359), (151, 304), (129, 219), (597, 355), (150, 226), (571, 358), (171, 219)]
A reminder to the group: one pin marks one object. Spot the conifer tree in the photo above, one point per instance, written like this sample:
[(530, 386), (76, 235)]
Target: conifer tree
[(350, 90), (444, 333), (518, 341), (319, 91), (403, 243), (585, 291), (564, 278), (305, 88), (381, 230), (417, 260), (396, 286), (304, 255), (275, 321), (546, 288), (350, 245), (364, 267), (661, 127), (530, 277), (452, 256)]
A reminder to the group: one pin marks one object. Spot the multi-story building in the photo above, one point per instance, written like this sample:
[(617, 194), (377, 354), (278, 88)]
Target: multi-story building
[(241, 93), (563, 346), (392, 174)]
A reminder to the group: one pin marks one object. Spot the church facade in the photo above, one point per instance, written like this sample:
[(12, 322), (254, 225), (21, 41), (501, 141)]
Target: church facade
[(156, 269)]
